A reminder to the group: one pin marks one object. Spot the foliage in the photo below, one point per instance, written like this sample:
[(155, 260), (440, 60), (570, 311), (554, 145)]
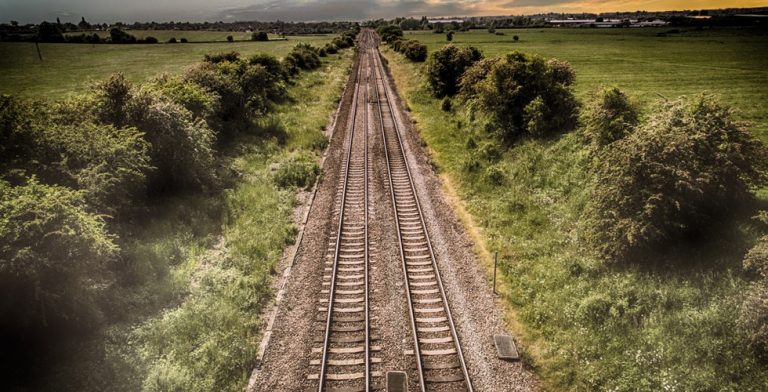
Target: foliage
[(526, 95), (296, 171), (754, 311), (389, 33), (411, 49), (446, 104), (474, 75), (52, 251), (118, 36), (302, 57), (610, 116), (446, 66), (260, 36), (687, 165)]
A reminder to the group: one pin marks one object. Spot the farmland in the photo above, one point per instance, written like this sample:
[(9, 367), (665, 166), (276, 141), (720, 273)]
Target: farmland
[(730, 63), (68, 68), (670, 325)]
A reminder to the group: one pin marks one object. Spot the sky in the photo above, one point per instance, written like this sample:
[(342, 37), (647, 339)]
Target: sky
[(34, 11)]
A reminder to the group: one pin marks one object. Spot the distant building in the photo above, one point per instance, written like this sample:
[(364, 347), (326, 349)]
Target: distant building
[(445, 20), (570, 22)]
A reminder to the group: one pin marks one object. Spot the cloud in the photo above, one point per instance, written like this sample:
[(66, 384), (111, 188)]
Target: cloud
[(536, 3), (297, 10)]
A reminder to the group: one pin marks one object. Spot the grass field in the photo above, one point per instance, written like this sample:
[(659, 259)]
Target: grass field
[(585, 326), (68, 68), (730, 63), (191, 35)]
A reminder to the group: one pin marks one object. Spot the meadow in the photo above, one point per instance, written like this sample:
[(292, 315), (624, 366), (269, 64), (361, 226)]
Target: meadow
[(730, 63), (582, 325), (68, 68)]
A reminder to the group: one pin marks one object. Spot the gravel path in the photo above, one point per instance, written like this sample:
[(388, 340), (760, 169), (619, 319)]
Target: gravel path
[(285, 365)]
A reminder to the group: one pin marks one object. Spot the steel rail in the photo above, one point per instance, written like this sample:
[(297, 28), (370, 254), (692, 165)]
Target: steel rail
[(332, 287), (378, 65)]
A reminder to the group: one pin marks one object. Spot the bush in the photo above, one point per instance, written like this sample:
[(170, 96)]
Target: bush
[(446, 66), (172, 40), (297, 171), (414, 51), (52, 258), (446, 105), (494, 175), (181, 147), (118, 36), (684, 167), (474, 75), (260, 36), (610, 116), (303, 56), (150, 40), (754, 311), (389, 32), (216, 58), (516, 38), (525, 95), (183, 40), (331, 49), (449, 36), (230, 38)]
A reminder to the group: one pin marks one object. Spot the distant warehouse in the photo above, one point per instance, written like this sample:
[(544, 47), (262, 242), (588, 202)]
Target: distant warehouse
[(600, 22)]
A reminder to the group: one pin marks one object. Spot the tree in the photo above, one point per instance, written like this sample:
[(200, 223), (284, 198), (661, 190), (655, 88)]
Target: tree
[(446, 66), (49, 32), (260, 36), (687, 165), (516, 38), (83, 25), (526, 95), (121, 37), (230, 38), (449, 36), (172, 40)]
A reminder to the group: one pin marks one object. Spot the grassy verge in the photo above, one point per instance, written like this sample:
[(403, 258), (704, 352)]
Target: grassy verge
[(586, 326), (66, 68), (204, 264)]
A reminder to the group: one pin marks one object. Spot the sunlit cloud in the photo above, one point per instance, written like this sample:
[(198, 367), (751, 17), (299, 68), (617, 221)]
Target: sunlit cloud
[(305, 10)]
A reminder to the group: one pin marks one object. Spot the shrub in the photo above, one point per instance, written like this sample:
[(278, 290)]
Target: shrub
[(303, 56), (52, 258), (525, 95), (181, 147), (449, 36), (754, 311), (389, 32), (216, 58), (331, 49), (121, 37), (446, 66), (415, 51), (183, 40), (202, 103), (494, 175), (297, 171), (516, 38), (687, 165), (260, 36), (230, 38), (172, 40), (445, 105), (474, 75), (150, 40), (610, 116), (271, 63)]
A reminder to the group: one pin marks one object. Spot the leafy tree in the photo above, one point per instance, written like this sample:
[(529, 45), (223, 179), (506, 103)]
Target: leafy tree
[(690, 163), (83, 25), (230, 38), (474, 75), (526, 95), (610, 116), (150, 40), (172, 40), (449, 36), (446, 66), (50, 32), (260, 36)]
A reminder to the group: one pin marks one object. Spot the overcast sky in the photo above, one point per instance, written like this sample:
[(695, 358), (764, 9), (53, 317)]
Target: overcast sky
[(308, 10)]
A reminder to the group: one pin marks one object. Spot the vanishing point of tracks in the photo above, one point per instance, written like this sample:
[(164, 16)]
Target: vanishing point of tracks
[(347, 356)]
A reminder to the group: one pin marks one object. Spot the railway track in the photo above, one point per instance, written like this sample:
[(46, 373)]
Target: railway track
[(346, 360), (346, 357), (439, 359)]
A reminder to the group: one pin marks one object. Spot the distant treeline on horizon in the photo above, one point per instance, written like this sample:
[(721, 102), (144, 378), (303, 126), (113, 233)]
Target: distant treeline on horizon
[(62, 31)]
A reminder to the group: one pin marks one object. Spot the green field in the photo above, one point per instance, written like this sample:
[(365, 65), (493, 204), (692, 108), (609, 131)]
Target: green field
[(582, 325), (68, 68), (730, 63)]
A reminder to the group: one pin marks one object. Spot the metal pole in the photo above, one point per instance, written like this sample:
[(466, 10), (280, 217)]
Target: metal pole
[(495, 262)]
